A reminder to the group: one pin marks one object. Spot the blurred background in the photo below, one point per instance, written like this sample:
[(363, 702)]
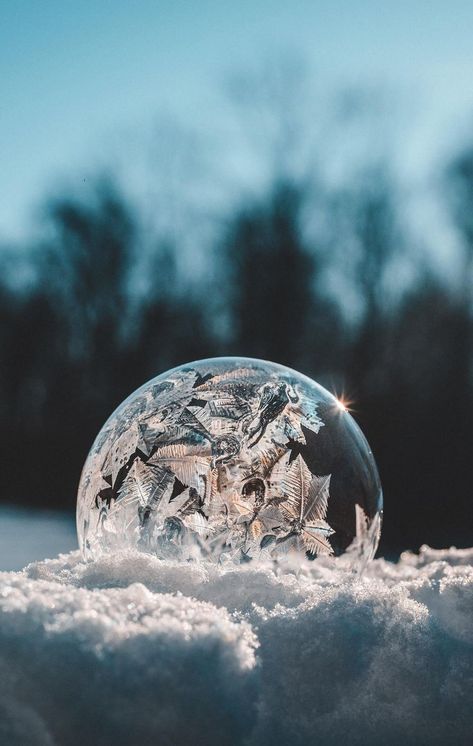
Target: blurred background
[(290, 181)]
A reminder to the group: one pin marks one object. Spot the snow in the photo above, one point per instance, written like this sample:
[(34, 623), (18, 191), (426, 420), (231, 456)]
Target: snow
[(28, 535), (133, 650)]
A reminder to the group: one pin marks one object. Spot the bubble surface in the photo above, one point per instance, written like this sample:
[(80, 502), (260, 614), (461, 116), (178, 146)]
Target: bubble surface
[(231, 459)]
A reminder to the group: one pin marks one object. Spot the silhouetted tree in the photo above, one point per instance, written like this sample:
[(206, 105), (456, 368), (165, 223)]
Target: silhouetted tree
[(85, 265), (424, 423), (459, 183), (278, 308), (460, 191), (172, 325), (82, 338), (367, 237)]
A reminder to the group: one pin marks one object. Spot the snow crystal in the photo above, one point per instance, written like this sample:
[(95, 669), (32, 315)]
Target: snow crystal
[(133, 650)]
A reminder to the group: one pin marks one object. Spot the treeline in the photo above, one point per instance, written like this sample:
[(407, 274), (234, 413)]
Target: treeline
[(306, 275)]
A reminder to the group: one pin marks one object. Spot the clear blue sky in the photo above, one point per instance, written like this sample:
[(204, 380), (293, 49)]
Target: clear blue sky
[(73, 72)]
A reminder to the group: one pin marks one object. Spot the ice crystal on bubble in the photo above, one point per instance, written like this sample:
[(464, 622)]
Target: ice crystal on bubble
[(230, 459)]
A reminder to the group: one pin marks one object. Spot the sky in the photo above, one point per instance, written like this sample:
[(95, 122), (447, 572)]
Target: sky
[(73, 74)]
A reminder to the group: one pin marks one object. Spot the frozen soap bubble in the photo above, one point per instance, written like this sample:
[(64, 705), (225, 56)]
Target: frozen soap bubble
[(230, 458)]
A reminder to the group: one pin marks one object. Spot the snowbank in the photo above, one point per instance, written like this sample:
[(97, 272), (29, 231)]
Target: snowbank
[(132, 650)]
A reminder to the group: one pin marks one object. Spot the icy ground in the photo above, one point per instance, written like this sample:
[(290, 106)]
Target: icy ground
[(132, 650)]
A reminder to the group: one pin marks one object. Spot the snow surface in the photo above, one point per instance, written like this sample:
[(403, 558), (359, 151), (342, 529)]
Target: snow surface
[(133, 650)]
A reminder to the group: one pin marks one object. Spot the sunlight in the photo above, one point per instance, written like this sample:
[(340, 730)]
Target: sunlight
[(343, 403)]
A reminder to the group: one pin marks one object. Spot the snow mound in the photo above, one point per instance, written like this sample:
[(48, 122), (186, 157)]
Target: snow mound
[(131, 650)]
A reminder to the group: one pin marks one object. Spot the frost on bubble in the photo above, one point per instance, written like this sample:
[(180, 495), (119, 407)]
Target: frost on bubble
[(230, 458)]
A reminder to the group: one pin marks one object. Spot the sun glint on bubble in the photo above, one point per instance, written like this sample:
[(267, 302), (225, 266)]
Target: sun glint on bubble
[(343, 403)]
